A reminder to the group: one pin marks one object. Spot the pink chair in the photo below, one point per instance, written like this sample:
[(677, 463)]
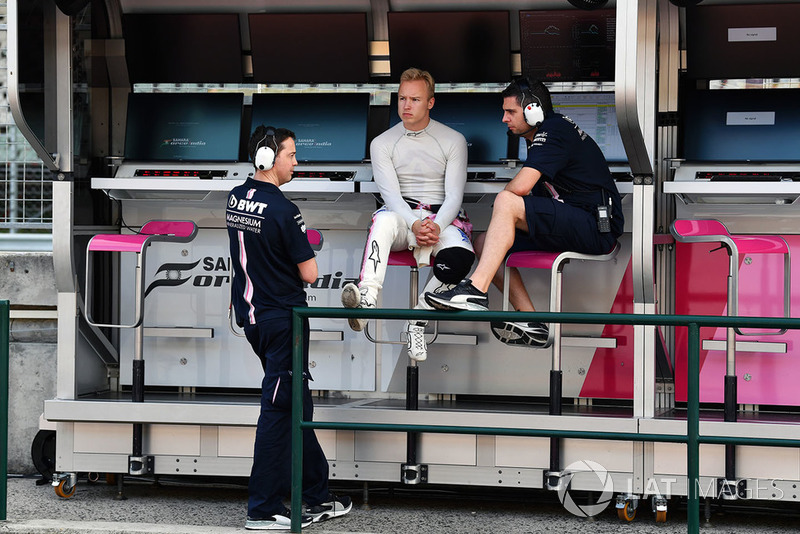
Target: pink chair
[(152, 231), (713, 231)]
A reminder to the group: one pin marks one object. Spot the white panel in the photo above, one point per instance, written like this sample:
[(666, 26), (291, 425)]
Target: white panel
[(613, 455), (237, 441), (781, 463), (454, 449), (172, 439), (670, 458), (514, 451), (103, 437), (380, 447), (327, 440)]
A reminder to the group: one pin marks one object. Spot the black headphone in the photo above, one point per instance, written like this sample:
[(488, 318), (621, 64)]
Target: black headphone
[(532, 108), (264, 158)]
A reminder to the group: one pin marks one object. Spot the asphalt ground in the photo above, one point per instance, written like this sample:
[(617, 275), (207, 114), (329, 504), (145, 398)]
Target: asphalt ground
[(186, 505)]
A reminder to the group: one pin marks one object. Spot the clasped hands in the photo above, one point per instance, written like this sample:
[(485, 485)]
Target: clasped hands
[(426, 232)]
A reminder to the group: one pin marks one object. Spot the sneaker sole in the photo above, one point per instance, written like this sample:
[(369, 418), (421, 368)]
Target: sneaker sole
[(357, 325), (350, 298), (522, 337), (324, 516), (276, 526), (447, 305)]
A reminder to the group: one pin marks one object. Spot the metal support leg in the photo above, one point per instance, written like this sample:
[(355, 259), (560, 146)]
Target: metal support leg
[(412, 472), (138, 464)]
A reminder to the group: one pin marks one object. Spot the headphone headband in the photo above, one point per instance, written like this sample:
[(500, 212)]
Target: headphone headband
[(264, 157)]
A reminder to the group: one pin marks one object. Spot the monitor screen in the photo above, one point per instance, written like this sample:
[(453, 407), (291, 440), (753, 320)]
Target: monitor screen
[(595, 114), (569, 45), (477, 116), (454, 46), (184, 126), (183, 47), (741, 125), (330, 127), (309, 47), (742, 41)]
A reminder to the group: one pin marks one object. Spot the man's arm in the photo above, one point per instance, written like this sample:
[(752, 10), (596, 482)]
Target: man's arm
[(524, 181), (385, 177), (455, 180), (308, 270)]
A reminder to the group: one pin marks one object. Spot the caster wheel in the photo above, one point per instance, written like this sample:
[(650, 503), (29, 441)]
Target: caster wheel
[(661, 516), (65, 490), (627, 513), (43, 454)]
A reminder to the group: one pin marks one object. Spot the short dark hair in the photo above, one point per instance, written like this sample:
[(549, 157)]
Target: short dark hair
[(535, 87), (263, 137)]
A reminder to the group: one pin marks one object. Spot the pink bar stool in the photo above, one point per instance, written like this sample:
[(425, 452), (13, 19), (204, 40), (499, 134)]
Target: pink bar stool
[(714, 231), (152, 231), (555, 262)]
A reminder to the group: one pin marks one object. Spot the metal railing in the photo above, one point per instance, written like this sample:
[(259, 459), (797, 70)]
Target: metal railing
[(4, 365), (693, 439)]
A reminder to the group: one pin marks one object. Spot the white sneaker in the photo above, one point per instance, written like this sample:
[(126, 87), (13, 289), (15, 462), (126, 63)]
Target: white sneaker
[(353, 297), (417, 347)]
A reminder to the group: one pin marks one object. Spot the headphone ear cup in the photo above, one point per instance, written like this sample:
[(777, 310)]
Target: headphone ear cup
[(265, 158), (534, 114)]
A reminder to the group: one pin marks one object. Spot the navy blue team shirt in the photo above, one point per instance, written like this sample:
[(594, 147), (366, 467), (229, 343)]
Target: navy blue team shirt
[(571, 161), (268, 239)]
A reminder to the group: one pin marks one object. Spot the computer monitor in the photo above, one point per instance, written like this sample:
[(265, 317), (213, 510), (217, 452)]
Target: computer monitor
[(330, 127), (742, 41), (454, 46), (309, 47), (183, 47), (184, 126), (741, 125), (595, 114), (568, 44), (477, 116)]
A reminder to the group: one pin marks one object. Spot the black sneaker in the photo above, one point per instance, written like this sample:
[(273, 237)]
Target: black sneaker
[(334, 507), (531, 334), (281, 521), (462, 297)]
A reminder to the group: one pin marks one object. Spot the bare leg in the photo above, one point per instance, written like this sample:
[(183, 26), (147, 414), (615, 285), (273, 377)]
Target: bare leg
[(508, 215), (518, 295)]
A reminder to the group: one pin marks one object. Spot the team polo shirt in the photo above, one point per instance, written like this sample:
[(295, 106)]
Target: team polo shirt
[(267, 240), (570, 160)]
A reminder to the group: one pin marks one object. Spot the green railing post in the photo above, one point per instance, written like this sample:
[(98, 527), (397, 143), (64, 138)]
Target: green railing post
[(4, 365), (693, 430), (297, 419)]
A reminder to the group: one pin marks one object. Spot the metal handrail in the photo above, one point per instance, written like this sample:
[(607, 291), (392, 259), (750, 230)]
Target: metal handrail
[(692, 438), (4, 365)]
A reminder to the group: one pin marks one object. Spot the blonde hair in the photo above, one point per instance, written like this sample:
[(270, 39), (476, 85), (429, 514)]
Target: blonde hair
[(413, 74)]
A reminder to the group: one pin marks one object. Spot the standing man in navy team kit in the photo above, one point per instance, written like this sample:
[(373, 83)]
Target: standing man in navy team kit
[(271, 259), (563, 198)]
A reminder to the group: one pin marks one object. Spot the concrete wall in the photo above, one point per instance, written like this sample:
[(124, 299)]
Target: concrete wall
[(27, 281)]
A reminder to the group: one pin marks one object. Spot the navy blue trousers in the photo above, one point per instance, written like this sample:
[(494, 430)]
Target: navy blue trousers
[(555, 226), (270, 477)]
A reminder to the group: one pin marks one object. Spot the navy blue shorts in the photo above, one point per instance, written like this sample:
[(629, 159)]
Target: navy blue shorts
[(555, 227)]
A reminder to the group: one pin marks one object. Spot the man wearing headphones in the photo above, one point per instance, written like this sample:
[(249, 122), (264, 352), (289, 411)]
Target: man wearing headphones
[(420, 168), (271, 259), (563, 198)]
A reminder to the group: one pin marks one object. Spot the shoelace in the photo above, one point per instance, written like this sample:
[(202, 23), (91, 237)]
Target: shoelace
[(416, 338)]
